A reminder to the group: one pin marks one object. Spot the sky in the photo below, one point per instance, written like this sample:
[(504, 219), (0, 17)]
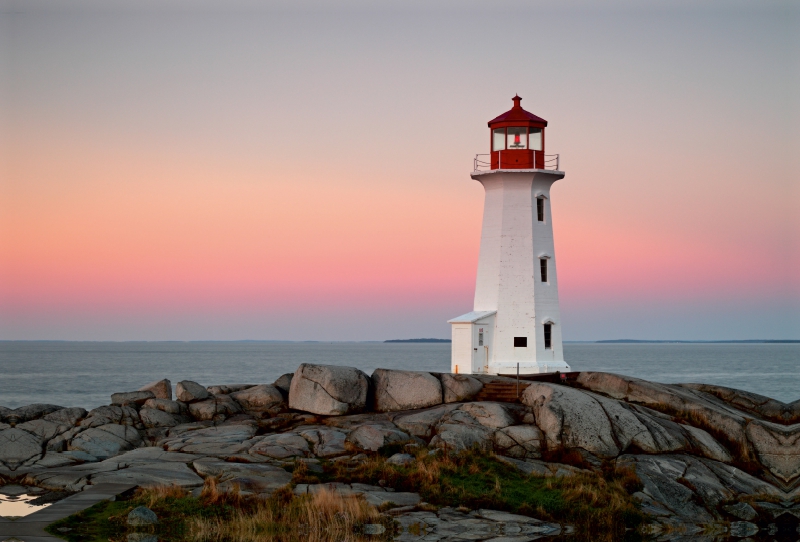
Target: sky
[(300, 170)]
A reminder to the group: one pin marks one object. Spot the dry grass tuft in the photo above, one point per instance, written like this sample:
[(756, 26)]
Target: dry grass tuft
[(323, 516), (153, 495)]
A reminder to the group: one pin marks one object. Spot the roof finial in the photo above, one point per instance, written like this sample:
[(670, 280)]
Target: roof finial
[(516, 99)]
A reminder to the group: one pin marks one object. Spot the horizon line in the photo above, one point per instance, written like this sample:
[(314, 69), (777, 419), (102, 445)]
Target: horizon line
[(395, 341)]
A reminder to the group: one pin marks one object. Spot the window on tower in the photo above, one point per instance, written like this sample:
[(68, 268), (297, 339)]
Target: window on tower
[(535, 138), (543, 268), (517, 138), (520, 342), (499, 139), (548, 330), (540, 209)]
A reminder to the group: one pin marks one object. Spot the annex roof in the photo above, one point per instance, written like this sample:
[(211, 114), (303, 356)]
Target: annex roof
[(471, 317)]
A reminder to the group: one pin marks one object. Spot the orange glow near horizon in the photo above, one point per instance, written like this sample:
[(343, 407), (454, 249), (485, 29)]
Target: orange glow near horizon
[(194, 177)]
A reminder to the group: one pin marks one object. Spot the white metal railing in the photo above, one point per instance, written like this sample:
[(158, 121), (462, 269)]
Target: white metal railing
[(551, 161)]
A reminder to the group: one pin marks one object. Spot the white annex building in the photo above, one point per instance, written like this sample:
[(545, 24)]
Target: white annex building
[(515, 323)]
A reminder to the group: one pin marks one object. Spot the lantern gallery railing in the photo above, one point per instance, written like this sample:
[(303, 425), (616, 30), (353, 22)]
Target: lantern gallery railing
[(551, 161)]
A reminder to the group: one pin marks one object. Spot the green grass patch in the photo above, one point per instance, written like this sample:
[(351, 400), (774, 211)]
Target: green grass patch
[(107, 520), (598, 504), (594, 502)]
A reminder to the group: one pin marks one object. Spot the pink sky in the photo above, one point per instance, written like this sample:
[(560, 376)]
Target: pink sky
[(237, 172)]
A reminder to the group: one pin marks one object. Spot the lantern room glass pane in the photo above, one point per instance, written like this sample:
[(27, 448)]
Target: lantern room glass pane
[(516, 138), (536, 139), (499, 139)]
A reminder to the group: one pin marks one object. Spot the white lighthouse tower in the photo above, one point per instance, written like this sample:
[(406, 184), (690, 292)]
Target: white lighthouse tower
[(516, 322)]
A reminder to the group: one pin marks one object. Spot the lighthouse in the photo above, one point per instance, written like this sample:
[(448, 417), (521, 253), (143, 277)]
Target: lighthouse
[(515, 324)]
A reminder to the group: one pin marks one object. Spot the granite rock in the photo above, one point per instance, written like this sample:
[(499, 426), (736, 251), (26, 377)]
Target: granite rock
[(570, 418), (328, 390), (18, 446), (161, 389), (281, 446), (131, 397), (141, 516), (106, 440), (152, 417), (519, 441), (457, 388), (167, 405), (260, 398), (188, 391), (66, 416), (405, 390), (374, 437), (29, 412)]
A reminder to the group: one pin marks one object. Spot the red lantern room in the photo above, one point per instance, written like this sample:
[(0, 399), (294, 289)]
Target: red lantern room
[(517, 139)]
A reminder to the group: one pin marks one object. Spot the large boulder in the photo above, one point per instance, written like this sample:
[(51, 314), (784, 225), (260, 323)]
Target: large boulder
[(29, 412), (258, 398), (705, 411), (405, 390), (107, 440), (18, 446), (459, 388), (190, 392), (570, 418), (161, 389), (131, 397), (328, 390)]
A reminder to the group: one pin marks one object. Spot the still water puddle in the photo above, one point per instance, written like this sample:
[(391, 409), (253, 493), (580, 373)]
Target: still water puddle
[(16, 504)]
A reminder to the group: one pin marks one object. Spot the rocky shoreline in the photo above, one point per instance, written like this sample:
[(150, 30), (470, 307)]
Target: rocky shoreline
[(705, 455)]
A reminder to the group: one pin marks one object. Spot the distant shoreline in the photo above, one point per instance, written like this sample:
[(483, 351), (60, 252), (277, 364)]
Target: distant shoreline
[(435, 341), (747, 341), (418, 341)]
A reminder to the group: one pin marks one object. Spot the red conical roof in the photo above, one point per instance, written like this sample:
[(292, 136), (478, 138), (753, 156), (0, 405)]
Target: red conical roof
[(516, 113)]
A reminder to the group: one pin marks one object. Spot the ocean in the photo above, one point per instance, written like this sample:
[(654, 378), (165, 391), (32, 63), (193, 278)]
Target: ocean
[(86, 373)]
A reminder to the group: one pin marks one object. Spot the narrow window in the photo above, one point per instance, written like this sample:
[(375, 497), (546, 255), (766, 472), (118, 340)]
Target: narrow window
[(543, 268), (520, 342), (499, 139), (535, 139), (540, 209), (480, 338), (548, 344)]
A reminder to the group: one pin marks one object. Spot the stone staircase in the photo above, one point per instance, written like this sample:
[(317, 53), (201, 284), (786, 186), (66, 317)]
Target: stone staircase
[(503, 391)]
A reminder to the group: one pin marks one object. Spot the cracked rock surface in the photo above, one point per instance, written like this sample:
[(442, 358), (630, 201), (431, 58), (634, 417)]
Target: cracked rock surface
[(703, 453)]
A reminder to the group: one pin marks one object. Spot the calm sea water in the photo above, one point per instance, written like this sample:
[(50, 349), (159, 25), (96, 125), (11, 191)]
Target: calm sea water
[(85, 374)]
